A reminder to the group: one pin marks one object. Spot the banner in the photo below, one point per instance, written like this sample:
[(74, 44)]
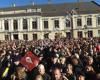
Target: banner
[(30, 60)]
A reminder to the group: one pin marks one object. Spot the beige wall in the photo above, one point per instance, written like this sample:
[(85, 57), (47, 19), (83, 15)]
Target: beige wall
[(2, 36)]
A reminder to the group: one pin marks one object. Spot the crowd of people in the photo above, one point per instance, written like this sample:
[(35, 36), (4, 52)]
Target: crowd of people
[(60, 59)]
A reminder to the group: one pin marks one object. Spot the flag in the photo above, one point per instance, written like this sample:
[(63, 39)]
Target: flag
[(30, 60)]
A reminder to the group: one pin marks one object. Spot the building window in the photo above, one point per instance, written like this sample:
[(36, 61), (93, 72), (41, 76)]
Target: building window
[(15, 36), (98, 19), (68, 35), (6, 37), (6, 24), (79, 22), (25, 24), (68, 23), (34, 24), (46, 36), (98, 33), (45, 24), (89, 21), (80, 35), (34, 36), (56, 23), (15, 24), (90, 33), (25, 36)]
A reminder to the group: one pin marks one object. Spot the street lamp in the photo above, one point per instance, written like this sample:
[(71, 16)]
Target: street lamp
[(70, 15)]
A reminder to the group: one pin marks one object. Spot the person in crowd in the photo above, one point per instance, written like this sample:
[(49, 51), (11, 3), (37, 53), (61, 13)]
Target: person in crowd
[(62, 63), (60, 59), (90, 73), (38, 77), (57, 75), (20, 74), (54, 62), (69, 72), (98, 76), (89, 60), (77, 67), (41, 71), (80, 76)]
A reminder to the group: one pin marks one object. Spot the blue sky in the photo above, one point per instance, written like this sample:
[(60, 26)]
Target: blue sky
[(7, 3)]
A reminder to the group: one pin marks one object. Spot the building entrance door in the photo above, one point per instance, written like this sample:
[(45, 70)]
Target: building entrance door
[(80, 35), (68, 35), (15, 36)]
